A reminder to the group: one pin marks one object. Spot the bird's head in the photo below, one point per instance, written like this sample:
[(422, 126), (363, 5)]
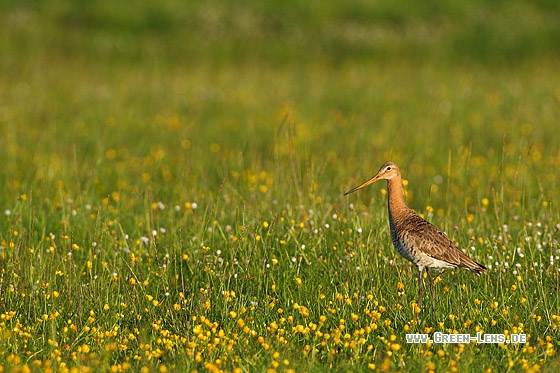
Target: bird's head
[(387, 172)]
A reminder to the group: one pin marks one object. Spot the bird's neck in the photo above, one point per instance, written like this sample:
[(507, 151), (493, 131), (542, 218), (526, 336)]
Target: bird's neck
[(396, 198)]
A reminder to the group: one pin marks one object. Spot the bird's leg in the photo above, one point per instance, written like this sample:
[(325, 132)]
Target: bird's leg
[(420, 287), (431, 283)]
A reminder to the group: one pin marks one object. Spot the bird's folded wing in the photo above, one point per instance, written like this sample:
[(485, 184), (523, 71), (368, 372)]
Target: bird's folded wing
[(430, 240)]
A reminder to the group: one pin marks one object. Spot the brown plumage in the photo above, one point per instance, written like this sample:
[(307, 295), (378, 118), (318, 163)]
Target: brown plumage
[(416, 239)]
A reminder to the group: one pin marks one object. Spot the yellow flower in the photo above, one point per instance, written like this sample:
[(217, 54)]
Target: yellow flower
[(298, 281)]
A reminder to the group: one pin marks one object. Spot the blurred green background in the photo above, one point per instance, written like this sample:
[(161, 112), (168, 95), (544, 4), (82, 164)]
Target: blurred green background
[(332, 88), (281, 32)]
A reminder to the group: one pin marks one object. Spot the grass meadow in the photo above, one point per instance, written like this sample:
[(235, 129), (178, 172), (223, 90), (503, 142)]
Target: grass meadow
[(171, 183)]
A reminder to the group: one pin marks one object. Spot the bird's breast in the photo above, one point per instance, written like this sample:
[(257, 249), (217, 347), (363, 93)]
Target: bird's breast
[(406, 251)]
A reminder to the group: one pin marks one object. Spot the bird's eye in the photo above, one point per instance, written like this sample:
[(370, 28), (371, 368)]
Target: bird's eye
[(388, 168)]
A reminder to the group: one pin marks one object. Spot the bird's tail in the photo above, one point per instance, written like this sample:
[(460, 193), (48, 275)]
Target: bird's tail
[(476, 268)]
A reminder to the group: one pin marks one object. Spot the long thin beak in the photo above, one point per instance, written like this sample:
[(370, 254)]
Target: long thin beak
[(370, 181)]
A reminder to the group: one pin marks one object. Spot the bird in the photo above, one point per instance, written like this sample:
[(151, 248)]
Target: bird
[(416, 239)]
